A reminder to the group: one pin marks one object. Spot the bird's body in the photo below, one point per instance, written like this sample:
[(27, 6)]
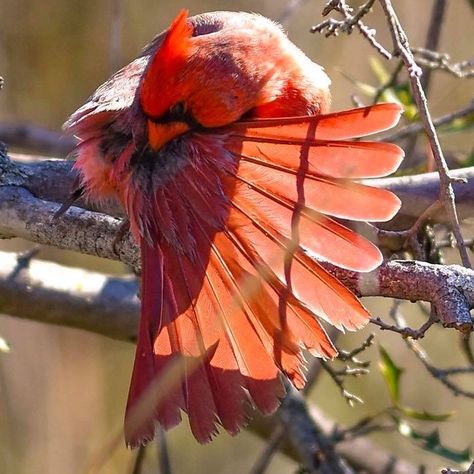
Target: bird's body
[(230, 203)]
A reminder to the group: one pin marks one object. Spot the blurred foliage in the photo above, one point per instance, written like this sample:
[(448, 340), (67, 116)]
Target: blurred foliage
[(4, 346), (431, 442)]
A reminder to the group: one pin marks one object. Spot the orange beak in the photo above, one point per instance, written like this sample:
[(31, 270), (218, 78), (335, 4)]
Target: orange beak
[(161, 133)]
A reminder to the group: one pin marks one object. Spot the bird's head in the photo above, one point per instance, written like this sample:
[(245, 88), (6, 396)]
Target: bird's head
[(195, 80)]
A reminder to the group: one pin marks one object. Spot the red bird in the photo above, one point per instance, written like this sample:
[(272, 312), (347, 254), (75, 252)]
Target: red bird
[(218, 143)]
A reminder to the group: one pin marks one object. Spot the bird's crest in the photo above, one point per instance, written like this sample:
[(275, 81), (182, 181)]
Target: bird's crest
[(170, 56)]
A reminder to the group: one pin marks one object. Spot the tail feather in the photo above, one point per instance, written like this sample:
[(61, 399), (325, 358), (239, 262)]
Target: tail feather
[(187, 331), (326, 195), (351, 123), (326, 297), (223, 371), (317, 233), (339, 159)]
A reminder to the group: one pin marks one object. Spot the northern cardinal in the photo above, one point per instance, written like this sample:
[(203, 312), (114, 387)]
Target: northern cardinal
[(218, 143)]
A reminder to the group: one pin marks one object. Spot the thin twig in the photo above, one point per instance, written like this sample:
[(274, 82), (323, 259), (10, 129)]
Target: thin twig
[(432, 60), (350, 355), (432, 38), (362, 427), (271, 447), (139, 458), (332, 27), (437, 122), (440, 374), (405, 332), (315, 449), (289, 11), (116, 35), (278, 434), (447, 197), (163, 453), (470, 470), (337, 378)]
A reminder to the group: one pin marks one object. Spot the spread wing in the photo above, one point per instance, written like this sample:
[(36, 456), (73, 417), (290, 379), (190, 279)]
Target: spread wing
[(228, 227)]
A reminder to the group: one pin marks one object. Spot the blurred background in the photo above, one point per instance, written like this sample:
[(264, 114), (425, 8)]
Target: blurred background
[(63, 391)]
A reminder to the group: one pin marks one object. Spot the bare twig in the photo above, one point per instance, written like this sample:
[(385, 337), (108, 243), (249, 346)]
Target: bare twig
[(437, 122), (69, 297), (139, 458), (470, 470), (351, 355), (359, 452), (432, 38), (271, 447), (315, 450), (163, 453), (450, 243), (402, 48), (277, 436), (404, 331), (432, 60), (338, 379), (440, 374), (332, 27), (116, 35), (363, 427)]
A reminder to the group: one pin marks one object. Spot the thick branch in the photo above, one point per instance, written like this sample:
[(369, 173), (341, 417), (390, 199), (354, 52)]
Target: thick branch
[(50, 293), (360, 452), (53, 180), (313, 447), (450, 289), (31, 137), (418, 192)]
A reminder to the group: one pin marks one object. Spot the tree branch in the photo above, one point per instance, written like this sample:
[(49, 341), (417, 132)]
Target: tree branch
[(50, 293), (437, 122), (449, 288), (32, 137), (53, 180)]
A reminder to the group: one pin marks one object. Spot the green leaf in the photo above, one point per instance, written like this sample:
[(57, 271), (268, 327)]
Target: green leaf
[(405, 97), (366, 89), (391, 373), (423, 415), (4, 347), (469, 160), (460, 124), (380, 72), (431, 442)]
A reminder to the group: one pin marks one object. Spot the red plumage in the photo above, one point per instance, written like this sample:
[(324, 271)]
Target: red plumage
[(218, 143)]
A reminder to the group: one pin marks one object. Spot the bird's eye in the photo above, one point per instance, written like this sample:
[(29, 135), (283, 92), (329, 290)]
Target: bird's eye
[(178, 109)]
